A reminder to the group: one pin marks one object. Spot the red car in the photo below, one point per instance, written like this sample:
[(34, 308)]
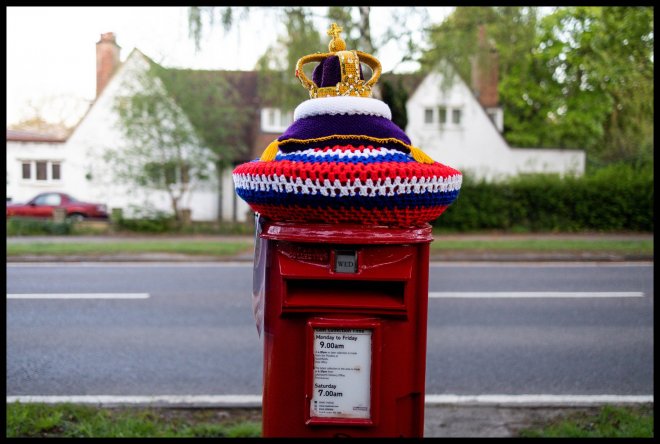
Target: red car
[(43, 204)]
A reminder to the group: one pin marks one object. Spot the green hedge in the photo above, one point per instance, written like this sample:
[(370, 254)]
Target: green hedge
[(17, 226), (616, 198)]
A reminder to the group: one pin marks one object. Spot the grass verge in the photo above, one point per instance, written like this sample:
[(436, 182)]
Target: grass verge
[(228, 248), (79, 421), (608, 422), (71, 420), (193, 247), (545, 245)]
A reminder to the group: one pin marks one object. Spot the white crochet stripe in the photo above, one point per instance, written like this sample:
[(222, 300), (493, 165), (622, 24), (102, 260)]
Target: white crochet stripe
[(342, 105), (364, 153), (381, 187)]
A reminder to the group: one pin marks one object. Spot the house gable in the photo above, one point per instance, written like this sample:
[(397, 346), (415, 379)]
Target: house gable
[(474, 145)]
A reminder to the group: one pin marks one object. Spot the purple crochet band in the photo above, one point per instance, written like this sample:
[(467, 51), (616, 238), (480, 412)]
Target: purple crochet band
[(328, 72), (326, 124)]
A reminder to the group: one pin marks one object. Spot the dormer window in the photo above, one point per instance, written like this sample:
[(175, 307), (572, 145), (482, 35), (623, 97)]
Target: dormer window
[(428, 115), (275, 120), (446, 117), (442, 115), (456, 116)]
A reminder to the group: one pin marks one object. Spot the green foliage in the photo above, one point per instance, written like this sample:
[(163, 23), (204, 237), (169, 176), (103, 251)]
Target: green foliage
[(616, 198), (17, 226), (146, 220), (395, 96), (277, 82), (228, 15), (609, 422), (77, 421), (213, 104), (580, 77), (154, 225), (162, 151)]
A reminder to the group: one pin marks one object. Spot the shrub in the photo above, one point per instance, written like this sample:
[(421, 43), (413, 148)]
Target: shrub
[(615, 198), (19, 226), (145, 219), (150, 225)]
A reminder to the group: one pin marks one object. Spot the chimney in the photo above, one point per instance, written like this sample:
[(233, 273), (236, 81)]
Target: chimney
[(107, 60), (485, 67)]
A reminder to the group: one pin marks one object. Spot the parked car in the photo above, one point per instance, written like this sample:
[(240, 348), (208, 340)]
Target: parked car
[(42, 206)]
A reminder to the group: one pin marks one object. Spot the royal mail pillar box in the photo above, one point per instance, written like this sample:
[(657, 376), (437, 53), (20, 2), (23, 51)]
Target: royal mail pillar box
[(345, 330)]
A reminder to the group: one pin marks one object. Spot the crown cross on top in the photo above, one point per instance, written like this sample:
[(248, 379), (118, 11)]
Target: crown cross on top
[(336, 44), (334, 30)]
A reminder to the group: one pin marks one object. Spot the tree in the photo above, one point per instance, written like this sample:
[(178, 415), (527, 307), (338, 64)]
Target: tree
[(162, 151), (276, 66), (219, 115), (396, 97), (277, 85), (454, 50), (579, 77), (56, 115)]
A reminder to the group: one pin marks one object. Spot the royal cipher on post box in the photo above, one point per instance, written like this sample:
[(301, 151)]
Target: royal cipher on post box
[(344, 203)]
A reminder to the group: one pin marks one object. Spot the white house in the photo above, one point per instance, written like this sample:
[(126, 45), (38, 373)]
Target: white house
[(38, 163), (455, 129), (451, 125)]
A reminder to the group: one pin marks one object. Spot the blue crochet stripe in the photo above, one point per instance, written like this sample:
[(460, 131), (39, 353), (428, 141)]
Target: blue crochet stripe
[(335, 158), (412, 200)]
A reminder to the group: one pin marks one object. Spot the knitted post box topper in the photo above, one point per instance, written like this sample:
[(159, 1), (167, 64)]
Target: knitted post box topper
[(343, 160)]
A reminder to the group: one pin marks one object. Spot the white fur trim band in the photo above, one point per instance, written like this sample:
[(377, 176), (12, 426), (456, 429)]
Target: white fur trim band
[(342, 105)]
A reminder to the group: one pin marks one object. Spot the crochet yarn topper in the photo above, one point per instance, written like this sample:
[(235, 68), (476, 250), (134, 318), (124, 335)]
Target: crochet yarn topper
[(343, 160)]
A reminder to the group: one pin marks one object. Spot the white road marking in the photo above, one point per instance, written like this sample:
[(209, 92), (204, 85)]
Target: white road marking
[(109, 264), (535, 294), (255, 400), (170, 400), (77, 295), (542, 264), (537, 399)]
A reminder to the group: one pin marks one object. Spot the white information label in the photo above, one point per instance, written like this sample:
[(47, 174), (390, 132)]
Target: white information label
[(342, 373)]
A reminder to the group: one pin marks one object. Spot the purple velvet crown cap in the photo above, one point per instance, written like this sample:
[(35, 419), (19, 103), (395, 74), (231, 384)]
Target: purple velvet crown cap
[(328, 72)]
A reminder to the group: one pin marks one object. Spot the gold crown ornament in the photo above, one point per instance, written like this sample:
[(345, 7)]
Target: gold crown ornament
[(351, 84)]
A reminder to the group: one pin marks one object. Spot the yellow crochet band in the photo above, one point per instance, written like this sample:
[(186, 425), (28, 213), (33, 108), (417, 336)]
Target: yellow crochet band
[(271, 150)]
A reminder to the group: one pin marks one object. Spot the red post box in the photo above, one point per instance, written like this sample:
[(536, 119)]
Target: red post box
[(345, 330)]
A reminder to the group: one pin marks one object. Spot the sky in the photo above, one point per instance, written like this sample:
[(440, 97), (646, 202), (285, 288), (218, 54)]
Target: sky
[(51, 51)]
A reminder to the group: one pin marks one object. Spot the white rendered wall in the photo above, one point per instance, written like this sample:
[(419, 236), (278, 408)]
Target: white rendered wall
[(535, 160), (21, 190)]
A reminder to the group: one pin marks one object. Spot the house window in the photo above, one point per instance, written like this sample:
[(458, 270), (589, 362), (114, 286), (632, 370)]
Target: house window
[(42, 171), (275, 119), (428, 115), (456, 116), (55, 171), (442, 115), (45, 171)]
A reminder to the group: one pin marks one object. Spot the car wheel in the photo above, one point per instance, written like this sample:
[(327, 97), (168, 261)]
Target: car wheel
[(76, 217)]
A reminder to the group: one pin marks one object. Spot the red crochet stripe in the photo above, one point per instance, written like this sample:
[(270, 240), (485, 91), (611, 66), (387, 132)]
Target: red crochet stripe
[(346, 172), (395, 217)]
